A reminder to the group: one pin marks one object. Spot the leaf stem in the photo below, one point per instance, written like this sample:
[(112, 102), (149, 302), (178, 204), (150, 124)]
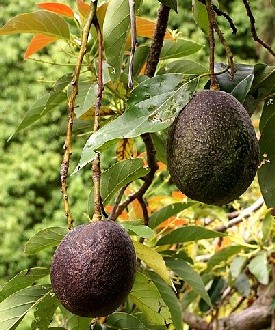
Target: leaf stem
[(71, 105)]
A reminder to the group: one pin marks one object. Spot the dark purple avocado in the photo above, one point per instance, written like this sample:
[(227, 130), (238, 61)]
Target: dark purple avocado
[(93, 269)]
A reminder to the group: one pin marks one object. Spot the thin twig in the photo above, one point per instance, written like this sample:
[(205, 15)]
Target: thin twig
[(143, 205), (243, 214), (227, 49), (211, 21), (117, 202), (133, 43), (71, 105), (253, 28), (96, 162)]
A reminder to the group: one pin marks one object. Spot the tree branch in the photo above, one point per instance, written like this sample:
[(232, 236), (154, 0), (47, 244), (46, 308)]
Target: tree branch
[(71, 105)]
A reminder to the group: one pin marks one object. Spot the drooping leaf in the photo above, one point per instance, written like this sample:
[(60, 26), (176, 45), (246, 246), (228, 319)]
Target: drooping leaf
[(57, 8), (187, 67), (258, 266), (22, 280), (242, 82), (153, 105), (146, 28), (263, 85), (115, 29), (223, 255), (186, 272), (147, 298), (138, 229), (124, 321), (115, 178), (86, 98), (188, 234), (168, 211), (45, 238), (83, 8), (178, 48), (44, 310), (40, 22), (152, 259), (267, 149), (15, 307), (125, 149), (173, 4), (214, 292), (200, 16), (170, 299), (37, 43), (45, 104), (242, 285), (237, 265)]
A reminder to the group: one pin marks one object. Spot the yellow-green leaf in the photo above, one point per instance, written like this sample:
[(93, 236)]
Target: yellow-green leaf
[(40, 22), (152, 259)]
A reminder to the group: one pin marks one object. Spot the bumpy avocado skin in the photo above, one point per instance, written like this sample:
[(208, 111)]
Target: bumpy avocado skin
[(93, 269), (212, 149)]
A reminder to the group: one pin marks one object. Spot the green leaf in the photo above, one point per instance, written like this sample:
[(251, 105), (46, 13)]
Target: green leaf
[(45, 238), (237, 265), (223, 255), (40, 22), (124, 321), (153, 105), (22, 280), (75, 322), (115, 31), (188, 234), (178, 48), (173, 4), (267, 225), (214, 292), (267, 149), (242, 284), (273, 3), (258, 266), (186, 67), (152, 259), (15, 307), (170, 299), (138, 229), (45, 104), (263, 85), (44, 311), (116, 177), (168, 211), (159, 139), (147, 298), (200, 16), (186, 272), (242, 82), (86, 98)]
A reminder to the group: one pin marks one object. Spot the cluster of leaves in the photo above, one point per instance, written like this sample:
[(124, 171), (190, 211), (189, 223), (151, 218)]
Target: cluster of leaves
[(169, 279)]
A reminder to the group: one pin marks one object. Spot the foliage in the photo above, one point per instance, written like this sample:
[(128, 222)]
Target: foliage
[(187, 259)]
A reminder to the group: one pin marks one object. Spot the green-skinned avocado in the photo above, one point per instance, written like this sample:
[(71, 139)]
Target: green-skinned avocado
[(93, 269), (212, 149)]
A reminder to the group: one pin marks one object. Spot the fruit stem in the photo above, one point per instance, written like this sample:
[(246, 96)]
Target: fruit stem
[(211, 21)]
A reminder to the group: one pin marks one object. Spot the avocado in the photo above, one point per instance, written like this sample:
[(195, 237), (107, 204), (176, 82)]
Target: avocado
[(212, 149), (93, 269)]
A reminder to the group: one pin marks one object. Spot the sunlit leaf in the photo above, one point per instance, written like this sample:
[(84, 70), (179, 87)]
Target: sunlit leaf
[(75, 322), (57, 8), (40, 22), (200, 15), (138, 229), (23, 279), (14, 308), (115, 178), (37, 43), (186, 67), (86, 98), (146, 28), (188, 234), (168, 211), (152, 259), (44, 239), (147, 298), (186, 272), (83, 8), (125, 149), (153, 105), (44, 310), (124, 321), (170, 299), (178, 48), (258, 266), (223, 255), (237, 265)]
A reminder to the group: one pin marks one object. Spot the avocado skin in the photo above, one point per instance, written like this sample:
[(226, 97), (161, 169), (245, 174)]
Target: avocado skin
[(93, 269), (212, 149)]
